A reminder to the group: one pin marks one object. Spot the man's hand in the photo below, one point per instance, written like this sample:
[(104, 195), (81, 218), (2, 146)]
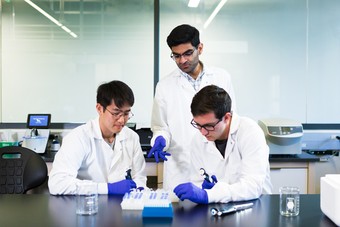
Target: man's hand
[(121, 187), (157, 149), (191, 192), (209, 185)]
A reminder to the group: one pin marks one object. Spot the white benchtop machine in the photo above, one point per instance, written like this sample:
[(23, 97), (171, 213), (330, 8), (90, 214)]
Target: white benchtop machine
[(283, 136), (36, 137)]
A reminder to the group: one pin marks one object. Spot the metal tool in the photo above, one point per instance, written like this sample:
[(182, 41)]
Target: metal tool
[(205, 175), (128, 175), (231, 209)]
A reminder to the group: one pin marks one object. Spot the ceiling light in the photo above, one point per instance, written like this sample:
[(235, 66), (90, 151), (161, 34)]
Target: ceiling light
[(51, 18), (214, 13), (193, 3)]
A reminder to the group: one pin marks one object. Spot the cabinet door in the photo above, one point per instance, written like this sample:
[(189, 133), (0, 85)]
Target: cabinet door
[(289, 177)]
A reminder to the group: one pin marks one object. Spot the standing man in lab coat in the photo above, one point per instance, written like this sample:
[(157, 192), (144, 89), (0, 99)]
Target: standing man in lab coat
[(171, 115), (103, 150), (229, 148)]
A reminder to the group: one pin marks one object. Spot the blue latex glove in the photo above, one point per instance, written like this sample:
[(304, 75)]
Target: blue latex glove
[(208, 185), (140, 189), (191, 192), (121, 187), (157, 149)]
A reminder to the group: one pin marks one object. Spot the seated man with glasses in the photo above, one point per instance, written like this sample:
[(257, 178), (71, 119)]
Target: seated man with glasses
[(103, 150), (229, 148)]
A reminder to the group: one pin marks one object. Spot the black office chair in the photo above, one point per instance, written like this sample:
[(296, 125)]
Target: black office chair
[(21, 169)]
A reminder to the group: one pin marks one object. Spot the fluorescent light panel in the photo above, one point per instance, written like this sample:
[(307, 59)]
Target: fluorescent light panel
[(214, 13), (51, 18), (193, 3)]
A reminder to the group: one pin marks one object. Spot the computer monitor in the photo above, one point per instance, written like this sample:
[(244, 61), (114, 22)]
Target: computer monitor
[(38, 121)]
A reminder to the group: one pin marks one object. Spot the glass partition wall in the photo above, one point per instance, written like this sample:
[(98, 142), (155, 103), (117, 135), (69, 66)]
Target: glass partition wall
[(282, 55), (56, 53)]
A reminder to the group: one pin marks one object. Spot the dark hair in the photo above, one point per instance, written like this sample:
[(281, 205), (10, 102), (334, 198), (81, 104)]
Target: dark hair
[(211, 99), (116, 91), (183, 34)]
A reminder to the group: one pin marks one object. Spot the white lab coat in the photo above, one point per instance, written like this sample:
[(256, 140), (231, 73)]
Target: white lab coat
[(171, 117), (84, 155), (243, 173)]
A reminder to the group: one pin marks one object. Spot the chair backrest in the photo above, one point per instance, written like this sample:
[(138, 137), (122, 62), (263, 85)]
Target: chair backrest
[(21, 169)]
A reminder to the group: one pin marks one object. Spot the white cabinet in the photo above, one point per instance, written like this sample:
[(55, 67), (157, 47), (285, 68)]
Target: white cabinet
[(300, 174), (296, 177)]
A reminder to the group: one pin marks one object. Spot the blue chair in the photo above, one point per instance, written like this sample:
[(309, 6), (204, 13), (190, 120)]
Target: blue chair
[(21, 169)]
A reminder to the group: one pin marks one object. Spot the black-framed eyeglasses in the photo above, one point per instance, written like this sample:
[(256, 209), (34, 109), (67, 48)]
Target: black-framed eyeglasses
[(118, 114), (185, 55), (207, 127)]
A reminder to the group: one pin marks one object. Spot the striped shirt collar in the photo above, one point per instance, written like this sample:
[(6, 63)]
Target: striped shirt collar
[(195, 83)]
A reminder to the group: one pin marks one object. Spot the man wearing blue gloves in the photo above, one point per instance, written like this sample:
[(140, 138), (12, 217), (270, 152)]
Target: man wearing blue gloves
[(231, 147), (171, 115), (103, 150)]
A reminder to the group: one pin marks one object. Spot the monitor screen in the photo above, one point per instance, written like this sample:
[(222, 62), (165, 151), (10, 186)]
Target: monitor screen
[(39, 121)]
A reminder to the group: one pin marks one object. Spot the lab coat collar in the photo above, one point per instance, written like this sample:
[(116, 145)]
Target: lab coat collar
[(235, 122), (208, 71), (97, 134)]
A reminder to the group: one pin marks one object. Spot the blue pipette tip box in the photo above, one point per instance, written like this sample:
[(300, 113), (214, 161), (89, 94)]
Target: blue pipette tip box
[(157, 212)]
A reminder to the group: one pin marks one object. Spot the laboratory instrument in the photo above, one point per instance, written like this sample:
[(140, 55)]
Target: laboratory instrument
[(128, 175), (283, 136), (36, 137), (205, 175), (321, 139)]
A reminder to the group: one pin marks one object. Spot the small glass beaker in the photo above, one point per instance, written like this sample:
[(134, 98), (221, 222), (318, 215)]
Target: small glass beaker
[(87, 198), (289, 201)]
